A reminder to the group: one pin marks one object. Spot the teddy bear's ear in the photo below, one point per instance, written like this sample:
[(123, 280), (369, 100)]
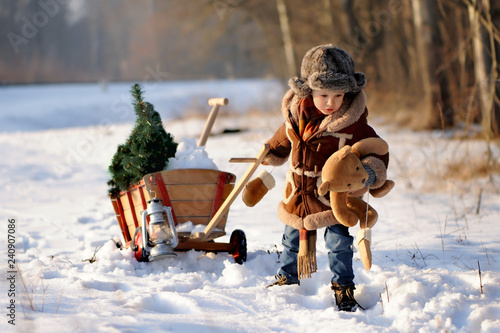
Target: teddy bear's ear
[(323, 188), (336, 157), (370, 146), (343, 152)]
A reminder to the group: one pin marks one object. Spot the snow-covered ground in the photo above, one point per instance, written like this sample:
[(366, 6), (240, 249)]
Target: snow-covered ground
[(57, 142)]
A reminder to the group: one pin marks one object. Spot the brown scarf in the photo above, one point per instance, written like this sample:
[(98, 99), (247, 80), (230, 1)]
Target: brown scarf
[(309, 118), (309, 121)]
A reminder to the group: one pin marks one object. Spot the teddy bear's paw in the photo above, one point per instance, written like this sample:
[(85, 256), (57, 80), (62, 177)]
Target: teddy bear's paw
[(383, 190), (347, 219)]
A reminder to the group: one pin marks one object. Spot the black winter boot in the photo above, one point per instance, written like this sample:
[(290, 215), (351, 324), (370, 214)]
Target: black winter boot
[(344, 297)]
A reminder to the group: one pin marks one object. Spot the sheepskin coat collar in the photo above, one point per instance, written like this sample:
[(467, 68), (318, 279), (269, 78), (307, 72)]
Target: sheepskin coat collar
[(347, 114)]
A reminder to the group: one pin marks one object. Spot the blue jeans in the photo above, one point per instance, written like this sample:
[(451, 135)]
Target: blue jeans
[(339, 245)]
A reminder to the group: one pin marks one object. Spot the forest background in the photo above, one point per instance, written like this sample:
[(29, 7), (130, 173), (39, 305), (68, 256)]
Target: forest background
[(429, 64)]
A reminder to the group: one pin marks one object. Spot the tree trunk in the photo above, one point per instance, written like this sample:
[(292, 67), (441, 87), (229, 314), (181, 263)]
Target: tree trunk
[(359, 40), (485, 71), (408, 31), (438, 105), (326, 19), (287, 38), (494, 120), (495, 18)]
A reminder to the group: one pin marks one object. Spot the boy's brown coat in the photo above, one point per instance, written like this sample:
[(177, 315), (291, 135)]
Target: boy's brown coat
[(302, 206)]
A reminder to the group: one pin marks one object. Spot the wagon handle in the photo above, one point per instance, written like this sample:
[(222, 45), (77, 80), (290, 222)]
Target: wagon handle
[(216, 103), (201, 236)]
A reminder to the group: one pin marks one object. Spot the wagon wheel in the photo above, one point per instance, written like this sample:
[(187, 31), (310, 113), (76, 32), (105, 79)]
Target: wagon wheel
[(238, 246), (140, 254)]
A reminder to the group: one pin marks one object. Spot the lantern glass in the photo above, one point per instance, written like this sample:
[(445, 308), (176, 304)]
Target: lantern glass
[(159, 233)]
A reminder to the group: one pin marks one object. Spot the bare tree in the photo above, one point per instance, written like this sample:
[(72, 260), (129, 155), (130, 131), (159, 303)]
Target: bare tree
[(485, 63), (287, 37), (439, 109)]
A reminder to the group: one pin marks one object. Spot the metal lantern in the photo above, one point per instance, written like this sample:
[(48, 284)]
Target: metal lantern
[(161, 234)]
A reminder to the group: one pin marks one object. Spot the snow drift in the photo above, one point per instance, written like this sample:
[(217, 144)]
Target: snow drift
[(432, 236)]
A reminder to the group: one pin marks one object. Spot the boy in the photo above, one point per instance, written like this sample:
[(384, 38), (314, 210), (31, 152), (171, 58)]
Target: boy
[(324, 110)]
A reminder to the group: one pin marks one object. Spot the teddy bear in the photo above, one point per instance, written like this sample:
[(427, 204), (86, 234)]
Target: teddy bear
[(344, 176)]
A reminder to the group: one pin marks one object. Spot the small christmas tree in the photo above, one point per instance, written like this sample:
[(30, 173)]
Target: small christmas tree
[(147, 149)]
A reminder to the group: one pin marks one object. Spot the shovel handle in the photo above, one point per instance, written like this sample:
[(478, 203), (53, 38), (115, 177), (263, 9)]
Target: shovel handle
[(216, 103), (202, 236)]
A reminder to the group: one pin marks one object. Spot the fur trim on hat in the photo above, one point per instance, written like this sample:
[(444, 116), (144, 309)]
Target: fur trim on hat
[(334, 81), (327, 67), (300, 87)]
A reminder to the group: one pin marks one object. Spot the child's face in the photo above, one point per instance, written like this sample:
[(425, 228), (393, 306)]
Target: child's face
[(327, 101)]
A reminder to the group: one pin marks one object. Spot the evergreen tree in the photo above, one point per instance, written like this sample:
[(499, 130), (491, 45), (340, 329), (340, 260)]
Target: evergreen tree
[(147, 149)]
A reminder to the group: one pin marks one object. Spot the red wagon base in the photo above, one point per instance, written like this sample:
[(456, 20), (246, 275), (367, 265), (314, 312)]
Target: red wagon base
[(237, 246)]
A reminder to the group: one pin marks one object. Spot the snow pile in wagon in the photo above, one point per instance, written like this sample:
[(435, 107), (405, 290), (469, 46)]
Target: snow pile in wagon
[(190, 156)]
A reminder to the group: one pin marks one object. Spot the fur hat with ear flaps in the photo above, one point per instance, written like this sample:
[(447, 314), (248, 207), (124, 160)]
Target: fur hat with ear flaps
[(327, 67)]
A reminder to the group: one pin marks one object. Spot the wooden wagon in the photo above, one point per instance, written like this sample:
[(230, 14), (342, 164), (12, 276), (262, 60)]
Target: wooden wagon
[(200, 196), (195, 195)]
